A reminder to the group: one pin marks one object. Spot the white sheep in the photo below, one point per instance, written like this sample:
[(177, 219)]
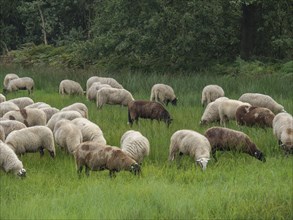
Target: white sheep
[(8, 77), (6, 107), (283, 130), (104, 80), (70, 115), (261, 100), (191, 143), (163, 93), (113, 96), (67, 135), (24, 83), (2, 98), (22, 102), (32, 139), (9, 161), (90, 131), (70, 87), (211, 112), (49, 112), (135, 145), (11, 125), (79, 107), (92, 91), (210, 93)]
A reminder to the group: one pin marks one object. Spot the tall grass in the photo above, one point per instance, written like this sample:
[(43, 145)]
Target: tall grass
[(236, 187)]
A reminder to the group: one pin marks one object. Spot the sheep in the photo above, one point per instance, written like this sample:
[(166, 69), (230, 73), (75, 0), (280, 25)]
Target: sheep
[(283, 130), (30, 117), (261, 100), (38, 105), (9, 161), (67, 135), (2, 134), (6, 107), (90, 131), (79, 107), (22, 102), (210, 93), (113, 96), (2, 98), (91, 93), (11, 125), (70, 115), (164, 94), (135, 145), (32, 139), (147, 109), (24, 83), (251, 115), (225, 139), (211, 112), (191, 143), (98, 157), (70, 87), (49, 112), (104, 80), (227, 110), (8, 77)]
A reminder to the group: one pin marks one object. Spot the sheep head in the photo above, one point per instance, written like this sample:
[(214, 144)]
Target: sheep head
[(135, 169), (202, 162), (260, 156), (21, 173)]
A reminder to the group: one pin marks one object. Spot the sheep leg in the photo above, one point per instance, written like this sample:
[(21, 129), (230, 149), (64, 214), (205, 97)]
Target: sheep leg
[(41, 150), (79, 170), (214, 154), (112, 173), (87, 170)]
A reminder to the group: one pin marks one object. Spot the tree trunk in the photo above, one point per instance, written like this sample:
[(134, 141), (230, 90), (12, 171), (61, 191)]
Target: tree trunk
[(43, 26)]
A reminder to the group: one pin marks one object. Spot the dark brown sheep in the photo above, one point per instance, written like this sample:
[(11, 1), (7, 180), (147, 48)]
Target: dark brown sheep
[(97, 157), (147, 109), (225, 139), (251, 115)]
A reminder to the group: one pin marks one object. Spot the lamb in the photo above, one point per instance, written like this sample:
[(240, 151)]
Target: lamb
[(91, 93), (113, 96), (98, 157), (163, 93), (70, 87), (32, 139), (11, 125), (30, 117), (67, 135), (22, 102), (9, 161), (147, 109), (8, 78), (79, 107), (283, 130), (90, 131), (135, 145), (6, 107), (210, 93), (261, 100), (211, 112), (70, 115), (24, 83), (2, 98), (104, 80), (251, 115), (225, 139), (191, 143)]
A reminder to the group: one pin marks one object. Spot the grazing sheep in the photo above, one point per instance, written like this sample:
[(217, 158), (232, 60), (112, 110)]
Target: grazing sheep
[(261, 100), (283, 130), (2, 134), (9, 161), (79, 107), (251, 115), (147, 109), (91, 93), (30, 117), (22, 102), (210, 93), (70, 115), (135, 145), (24, 83), (164, 94), (11, 125), (2, 98), (98, 157), (227, 110), (8, 77), (67, 135), (90, 131), (6, 107), (190, 143), (70, 87), (225, 139), (211, 112), (113, 96), (32, 139), (104, 80)]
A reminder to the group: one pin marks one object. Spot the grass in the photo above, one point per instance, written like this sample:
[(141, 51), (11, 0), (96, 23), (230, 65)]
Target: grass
[(236, 187)]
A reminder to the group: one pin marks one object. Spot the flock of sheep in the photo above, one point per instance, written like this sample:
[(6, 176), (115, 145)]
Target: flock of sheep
[(26, 126)]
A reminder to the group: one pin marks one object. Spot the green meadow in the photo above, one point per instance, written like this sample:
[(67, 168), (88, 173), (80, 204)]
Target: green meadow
[(237, 186)]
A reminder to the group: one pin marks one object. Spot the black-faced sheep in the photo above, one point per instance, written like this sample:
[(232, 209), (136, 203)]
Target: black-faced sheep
[(11, 125), (104, 80), (210, 93), (149, 110), (225, 139), (6, 107), (70, 87), (2, 98), (70, 115), (8, 77), (79, 107), (24, 83), (163, 93), (22, 102), (191, 143), (251, 115), (96, 157), (91, 93)]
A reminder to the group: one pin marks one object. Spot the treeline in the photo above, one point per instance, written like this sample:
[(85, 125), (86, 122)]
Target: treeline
[(147, 34)]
